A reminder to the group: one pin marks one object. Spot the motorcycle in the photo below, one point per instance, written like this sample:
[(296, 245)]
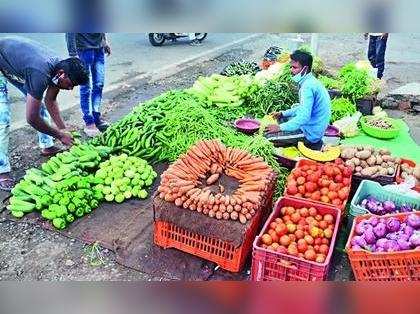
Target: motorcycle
[(158, 39)]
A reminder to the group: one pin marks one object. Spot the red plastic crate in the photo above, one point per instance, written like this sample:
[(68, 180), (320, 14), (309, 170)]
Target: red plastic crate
[(308, 162), (269, 266), (399, 180), (222, 253), (385, 266)]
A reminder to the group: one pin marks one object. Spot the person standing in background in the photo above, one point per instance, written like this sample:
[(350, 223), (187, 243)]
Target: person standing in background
[(376, 51), (91, 49)]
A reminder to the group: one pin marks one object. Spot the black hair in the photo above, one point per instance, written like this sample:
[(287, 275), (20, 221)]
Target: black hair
[(304, 58), (74, 69)]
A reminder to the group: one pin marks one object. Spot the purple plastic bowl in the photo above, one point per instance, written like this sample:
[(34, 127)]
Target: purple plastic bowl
[(332, 131), (247, 125)]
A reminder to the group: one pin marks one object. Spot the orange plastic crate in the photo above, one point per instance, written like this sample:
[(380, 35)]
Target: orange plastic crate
[(222, 253), (385, 266)]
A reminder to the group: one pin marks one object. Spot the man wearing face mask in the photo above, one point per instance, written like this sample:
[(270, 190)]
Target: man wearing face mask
[(39, 75), (308, 120)]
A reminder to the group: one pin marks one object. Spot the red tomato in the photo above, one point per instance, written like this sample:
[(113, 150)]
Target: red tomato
[(291, 182), (300, 180), (338, 161), (323, 249), (325, 240), (310, 219), (282, 250), (342, 194), (314, 167), (309, 239), (312, 211), (299, 235), (292, 190), (320, 258), (305, 168), (329, 171), (336, 202), (318, 217), (332, 195), (325, 199), (281, 229), (292, 250), (290, 210), (318, 241), (338, 178), (324, 191), (295, 217), (299, 195), (308, 195), (336, 170), (304, 212), (329, 218), (316, 196), (285, 240), (291, 227), (347, 172), (292, 237), (323, 224), (278, 220), (297, 173), (346, 181), (334, 187), (301, 189), (274, 237), (311, 187), (273, 225), (325, 183), (302, 247), (310, 255), (316, 248), (328, 233)]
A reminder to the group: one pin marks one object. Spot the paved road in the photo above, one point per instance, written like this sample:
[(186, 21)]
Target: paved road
[(132, 55)]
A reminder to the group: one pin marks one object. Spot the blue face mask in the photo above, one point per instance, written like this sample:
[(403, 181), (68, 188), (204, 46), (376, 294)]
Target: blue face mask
[(299, 77)]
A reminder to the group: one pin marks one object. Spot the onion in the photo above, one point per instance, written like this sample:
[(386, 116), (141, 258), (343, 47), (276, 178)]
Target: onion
[(403, 244), (373, 221), (391, 246), (356, 248), (381, 243), (369, 236), (389, 206), (413, 220), (393, 224), (358, 241), (379, 249), (380, 230), (415, 239), (360, 228), (405, 209), (408, 230)]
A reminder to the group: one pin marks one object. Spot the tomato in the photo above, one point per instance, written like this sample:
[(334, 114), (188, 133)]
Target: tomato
[(310, 255), (332, 195), (323, 224), (328, 233), (346, 181), (320, 258), (305, 168), (311, 187), (292, 237), (338, 178), (281, 229), (286, 219), (312, 211), (274, 237), (313, 178), (336, 170), (292, 250), (324, 191), (338, 161), (304, 212), (295, 217), (275, 246), (318, 241), (329, 218), (299, 234), (309, 239), (278, 220), (290, 211), (325, 240), (325, 199), (301, 255), (266, 239), (308, 195), (333, 187), (329, 171), (325, 183), (291, 182), (297, 173), (342, 194), (314, 167), (299, 195), (292, 190), (347, 172), (310, 219), (323, 249), (301, 222), (282, 250), (316, 248), (300, 180), (318, 217), (314, 231), (273, 225), (291, 227), (336, 202), (301, 189), (285, 240), (302, 247)]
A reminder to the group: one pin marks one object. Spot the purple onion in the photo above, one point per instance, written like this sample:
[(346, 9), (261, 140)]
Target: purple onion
[(415, 239), (391, 246), (393, 224), (413, 220), (389, 206), (369, 236), (380, 243), (373, 221), (403, 244), (380, 230)]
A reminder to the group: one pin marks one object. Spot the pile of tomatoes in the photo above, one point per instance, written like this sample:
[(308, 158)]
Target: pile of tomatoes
[(328, 183), (303, 233)]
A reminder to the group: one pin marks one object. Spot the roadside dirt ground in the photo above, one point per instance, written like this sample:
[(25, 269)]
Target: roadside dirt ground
[(28, 252)]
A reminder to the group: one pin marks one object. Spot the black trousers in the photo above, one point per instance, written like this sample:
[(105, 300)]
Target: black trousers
[(376, 53)]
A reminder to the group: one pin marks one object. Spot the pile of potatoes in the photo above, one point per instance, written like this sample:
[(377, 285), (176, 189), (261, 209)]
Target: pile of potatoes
[(369, 162)]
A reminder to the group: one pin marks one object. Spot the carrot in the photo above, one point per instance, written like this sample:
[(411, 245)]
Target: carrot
[(213, 178), (169, 198), (227, 200), (232, 201), (185, 189), (249, 161), (215, 208), (193, 207), (213, 168), (211, 199), (222, 207), (237, 208), (178, 202), (192, 191), (183, 198), (242, 218), (161, 195), (229, 208)]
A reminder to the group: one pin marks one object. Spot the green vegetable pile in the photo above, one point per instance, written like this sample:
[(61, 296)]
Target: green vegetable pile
[(330, 82), (340, 108), (124, 177), (356, 82), (241, 68)]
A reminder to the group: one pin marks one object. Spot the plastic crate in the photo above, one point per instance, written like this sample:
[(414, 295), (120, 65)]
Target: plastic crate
[(399, 179), (269, 266), (308, 162), (378, 132), (386, 266), (223, 253), (367, 188)]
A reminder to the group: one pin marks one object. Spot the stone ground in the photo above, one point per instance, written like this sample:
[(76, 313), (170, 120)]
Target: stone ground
[(28, 252)]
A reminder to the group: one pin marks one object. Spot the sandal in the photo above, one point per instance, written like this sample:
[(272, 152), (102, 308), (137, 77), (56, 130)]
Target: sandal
[(51, 151), (7, 184)]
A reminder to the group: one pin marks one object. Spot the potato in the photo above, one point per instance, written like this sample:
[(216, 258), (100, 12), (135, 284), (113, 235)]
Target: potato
[(350, 164), (360, 147), (364, 154), (370, 148), (391, 164), (363, 164), (356, 161), (397, 160), (379, 160), (391, 170), (369, 171), (384, 151), (384, 165), (383, 171), (371, 161), (348, 153), (357, 174)]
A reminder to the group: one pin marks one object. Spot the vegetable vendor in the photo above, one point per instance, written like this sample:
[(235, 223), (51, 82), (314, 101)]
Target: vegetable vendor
[(308, 120), (35, 70)]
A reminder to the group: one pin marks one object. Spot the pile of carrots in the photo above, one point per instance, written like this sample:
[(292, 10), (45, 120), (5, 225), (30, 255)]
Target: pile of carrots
[(193, 181)]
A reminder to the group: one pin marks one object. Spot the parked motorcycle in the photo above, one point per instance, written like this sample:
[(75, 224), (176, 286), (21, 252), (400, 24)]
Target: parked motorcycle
[(158, 39)]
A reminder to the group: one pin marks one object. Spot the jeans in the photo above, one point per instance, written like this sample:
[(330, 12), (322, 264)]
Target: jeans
[(91, 93), (376, 53), (44, 140)]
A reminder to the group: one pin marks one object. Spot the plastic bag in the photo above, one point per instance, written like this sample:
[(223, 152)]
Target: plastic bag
[(405, 188), (348, 125)]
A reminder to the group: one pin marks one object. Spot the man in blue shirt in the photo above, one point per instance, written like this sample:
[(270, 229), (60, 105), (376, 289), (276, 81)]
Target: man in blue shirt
[(309, 119)]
